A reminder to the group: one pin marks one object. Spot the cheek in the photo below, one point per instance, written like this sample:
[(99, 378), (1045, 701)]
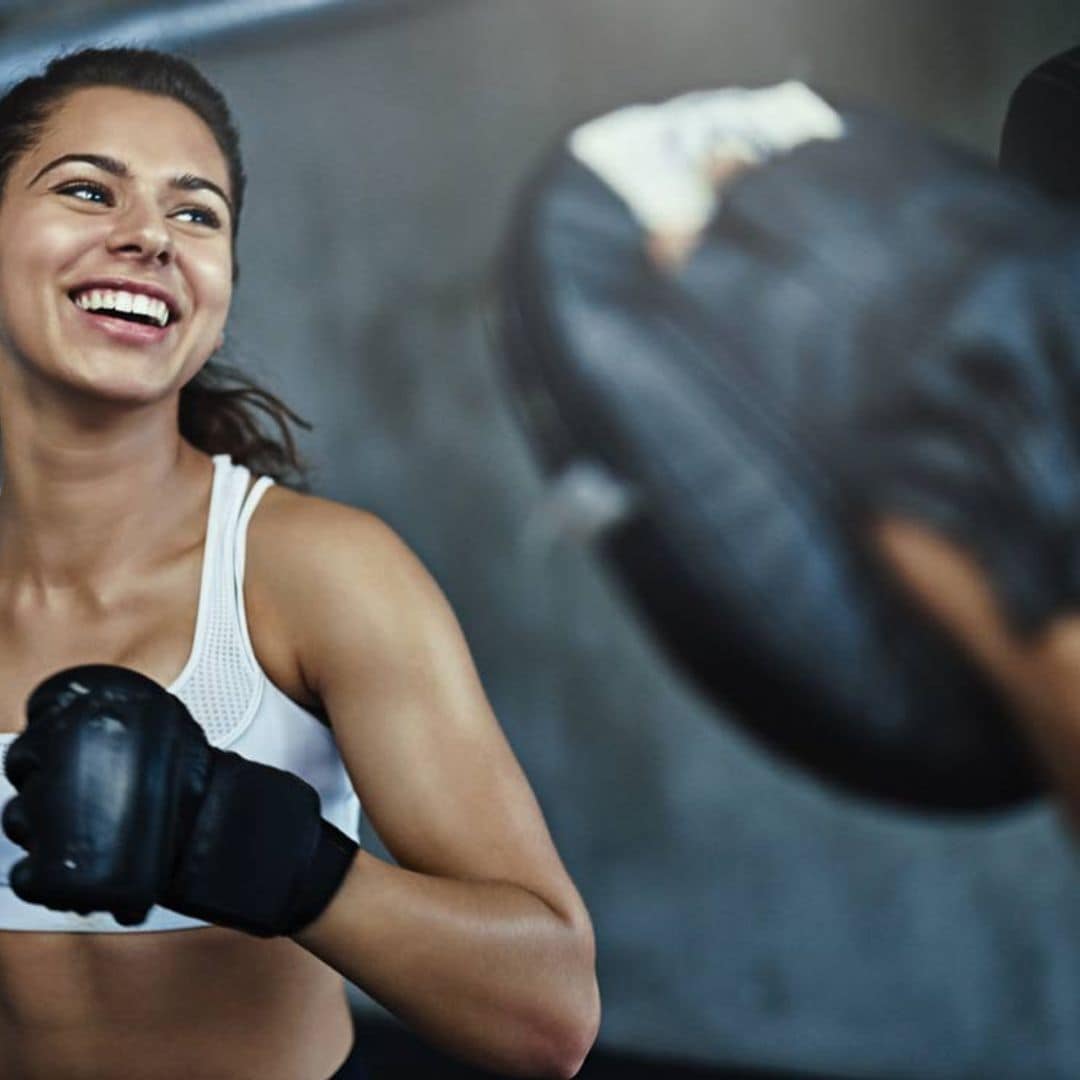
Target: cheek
[(31, 256), (36, 252), (41, 244), (212, 278)]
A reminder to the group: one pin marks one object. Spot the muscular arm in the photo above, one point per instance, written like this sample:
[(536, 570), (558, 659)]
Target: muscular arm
[(1039, 676), (477, 938)]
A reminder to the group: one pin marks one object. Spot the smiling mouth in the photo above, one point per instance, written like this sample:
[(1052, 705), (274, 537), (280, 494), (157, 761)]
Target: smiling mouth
[(121, 304)]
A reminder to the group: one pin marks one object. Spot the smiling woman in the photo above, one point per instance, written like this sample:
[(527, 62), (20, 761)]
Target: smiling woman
[(233, 667), (221, 411)]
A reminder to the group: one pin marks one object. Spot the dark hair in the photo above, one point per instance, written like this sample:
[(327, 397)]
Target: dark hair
[(221, 410), (1039, 137)]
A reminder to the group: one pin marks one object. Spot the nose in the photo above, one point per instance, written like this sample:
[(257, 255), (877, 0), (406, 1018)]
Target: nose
[(141, 232)]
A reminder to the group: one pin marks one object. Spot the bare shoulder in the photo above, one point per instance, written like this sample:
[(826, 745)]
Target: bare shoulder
[(323, 576), (312, 549), (314, 537)]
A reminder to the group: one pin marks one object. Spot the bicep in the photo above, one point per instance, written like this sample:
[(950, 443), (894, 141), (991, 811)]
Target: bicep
[(432, 767)]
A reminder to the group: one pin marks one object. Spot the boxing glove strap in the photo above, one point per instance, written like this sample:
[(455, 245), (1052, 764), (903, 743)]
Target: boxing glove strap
[(334, 854), (258, 855)]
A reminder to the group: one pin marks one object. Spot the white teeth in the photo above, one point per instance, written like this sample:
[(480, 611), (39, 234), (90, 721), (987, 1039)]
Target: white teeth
[(121, 300)]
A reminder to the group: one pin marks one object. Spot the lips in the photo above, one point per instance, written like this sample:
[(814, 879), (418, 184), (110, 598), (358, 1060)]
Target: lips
[(128, 316), (123, 331), (132, 302)]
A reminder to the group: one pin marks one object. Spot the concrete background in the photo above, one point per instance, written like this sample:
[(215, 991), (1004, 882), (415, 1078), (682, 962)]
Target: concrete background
[(744, 914)]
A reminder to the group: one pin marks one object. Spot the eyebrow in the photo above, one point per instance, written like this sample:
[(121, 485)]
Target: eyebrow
[(185, 182)]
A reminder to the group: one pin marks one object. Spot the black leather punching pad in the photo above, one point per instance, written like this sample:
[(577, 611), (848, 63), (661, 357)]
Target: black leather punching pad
[(1040, 139), (730, 397)]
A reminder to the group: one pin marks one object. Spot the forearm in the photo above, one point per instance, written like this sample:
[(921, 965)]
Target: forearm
[(1039, 675), (1042, 677), (487, 970)]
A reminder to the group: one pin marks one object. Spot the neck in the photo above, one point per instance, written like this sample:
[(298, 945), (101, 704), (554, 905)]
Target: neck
[(88, 500)]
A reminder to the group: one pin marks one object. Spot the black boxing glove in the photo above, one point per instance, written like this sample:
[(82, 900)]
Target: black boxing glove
[(122, 804)]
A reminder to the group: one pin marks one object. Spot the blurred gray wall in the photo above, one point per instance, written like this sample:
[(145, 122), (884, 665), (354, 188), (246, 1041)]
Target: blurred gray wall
[(744, 914)]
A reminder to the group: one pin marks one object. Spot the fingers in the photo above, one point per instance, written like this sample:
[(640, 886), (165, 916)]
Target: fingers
[(23, 881), (129, 916), (36, 882), (23, 758), (16, 822)]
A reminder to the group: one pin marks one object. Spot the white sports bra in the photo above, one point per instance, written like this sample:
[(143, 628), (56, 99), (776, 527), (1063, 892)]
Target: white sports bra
[(229, 694)]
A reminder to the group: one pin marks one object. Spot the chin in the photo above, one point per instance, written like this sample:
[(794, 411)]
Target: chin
[(124, 387)]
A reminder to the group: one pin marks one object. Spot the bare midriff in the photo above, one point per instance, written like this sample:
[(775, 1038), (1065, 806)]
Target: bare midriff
[(204, 1004)]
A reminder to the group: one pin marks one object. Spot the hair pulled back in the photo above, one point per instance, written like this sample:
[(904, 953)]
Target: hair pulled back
[(221, 410)]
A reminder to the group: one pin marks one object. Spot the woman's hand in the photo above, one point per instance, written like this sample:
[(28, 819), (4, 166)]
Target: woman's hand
[(124, 804)]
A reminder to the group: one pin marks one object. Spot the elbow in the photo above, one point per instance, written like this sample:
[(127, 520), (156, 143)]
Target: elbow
[(576, 1046), (558, 1034), (562, 1052), (552, 1048), (572, 1036), (586, 1020)]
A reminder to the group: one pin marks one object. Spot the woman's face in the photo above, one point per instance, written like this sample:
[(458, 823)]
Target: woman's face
[(115, 248)]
